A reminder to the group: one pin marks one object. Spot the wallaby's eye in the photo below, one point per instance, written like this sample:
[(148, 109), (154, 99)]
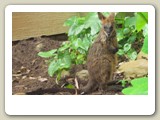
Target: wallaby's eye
[(111, 28), (108, 28), (105, 27)]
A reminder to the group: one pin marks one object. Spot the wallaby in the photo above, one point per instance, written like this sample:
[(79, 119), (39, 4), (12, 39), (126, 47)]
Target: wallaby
[(102, 59)]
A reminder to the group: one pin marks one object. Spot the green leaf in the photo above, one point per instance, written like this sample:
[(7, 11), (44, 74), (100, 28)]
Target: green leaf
[(72, 29), (65, 46), (130, 21), (123, 82), (126, 31), (145, 45), (127, 47), (47, 54), (87, 43), (79, 43), (120, 52), (80, 59), (70, 21), (145, 30), (78, 29), (139, 87), (76, 25), (141, 20), (92, 22), (81, 51), (120, 35), (53, 67), (76, 43), (123, 15), (132, 38), (69, 86), (82, 45), (133, 55), (73, 55), (65, 62), (58, 75)]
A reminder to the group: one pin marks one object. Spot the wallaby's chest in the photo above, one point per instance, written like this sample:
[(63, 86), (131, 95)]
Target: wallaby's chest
[(99, 50)]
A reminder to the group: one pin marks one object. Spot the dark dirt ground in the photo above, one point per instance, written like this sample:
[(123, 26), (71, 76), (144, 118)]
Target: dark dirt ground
[(29, 71)]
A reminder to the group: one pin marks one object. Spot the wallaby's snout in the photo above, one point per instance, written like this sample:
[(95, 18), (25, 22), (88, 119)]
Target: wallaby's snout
[(108, 29)]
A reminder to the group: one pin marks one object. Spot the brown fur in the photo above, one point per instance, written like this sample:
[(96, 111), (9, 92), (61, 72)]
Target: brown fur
[(102, 59)]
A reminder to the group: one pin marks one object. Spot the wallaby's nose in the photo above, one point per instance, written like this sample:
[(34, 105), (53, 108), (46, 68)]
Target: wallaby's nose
[(109, 31)]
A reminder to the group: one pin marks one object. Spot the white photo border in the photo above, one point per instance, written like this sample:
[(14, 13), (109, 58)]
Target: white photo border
[(79, 104)]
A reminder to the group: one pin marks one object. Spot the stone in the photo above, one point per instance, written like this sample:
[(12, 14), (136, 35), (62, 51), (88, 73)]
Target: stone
[(133, 69), (39, 47), (83, 75), (142, 55), (65, 74)]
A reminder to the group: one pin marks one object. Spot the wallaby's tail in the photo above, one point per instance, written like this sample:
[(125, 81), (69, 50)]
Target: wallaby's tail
[(91, 86)]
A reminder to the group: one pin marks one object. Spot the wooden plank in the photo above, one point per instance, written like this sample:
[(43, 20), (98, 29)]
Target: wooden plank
[(33, 24)]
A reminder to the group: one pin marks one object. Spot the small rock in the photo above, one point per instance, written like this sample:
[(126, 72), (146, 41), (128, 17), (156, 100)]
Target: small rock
[(65, 74), (39, 47), (83, 75), (23, 69)]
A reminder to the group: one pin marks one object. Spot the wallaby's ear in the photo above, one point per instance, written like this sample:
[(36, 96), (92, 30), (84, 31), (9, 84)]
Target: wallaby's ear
[(101, 16), (112, 15)]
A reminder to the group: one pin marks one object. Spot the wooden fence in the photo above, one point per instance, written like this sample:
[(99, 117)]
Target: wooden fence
[(33, 24)]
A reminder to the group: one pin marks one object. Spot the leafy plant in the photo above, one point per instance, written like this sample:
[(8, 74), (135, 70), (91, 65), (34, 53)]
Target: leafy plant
[(139, 87), (129, 30), (82, 31), (145, 44), (123, 82), (134, 29)]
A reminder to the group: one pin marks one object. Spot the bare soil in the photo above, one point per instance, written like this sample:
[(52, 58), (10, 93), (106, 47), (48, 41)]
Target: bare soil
[(29, 71)]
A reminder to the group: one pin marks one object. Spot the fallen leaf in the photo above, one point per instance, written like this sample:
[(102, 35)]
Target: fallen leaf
[(16, 75), (32, 78), (24, 77), (42, 79), (20, 86), (20, 94)]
